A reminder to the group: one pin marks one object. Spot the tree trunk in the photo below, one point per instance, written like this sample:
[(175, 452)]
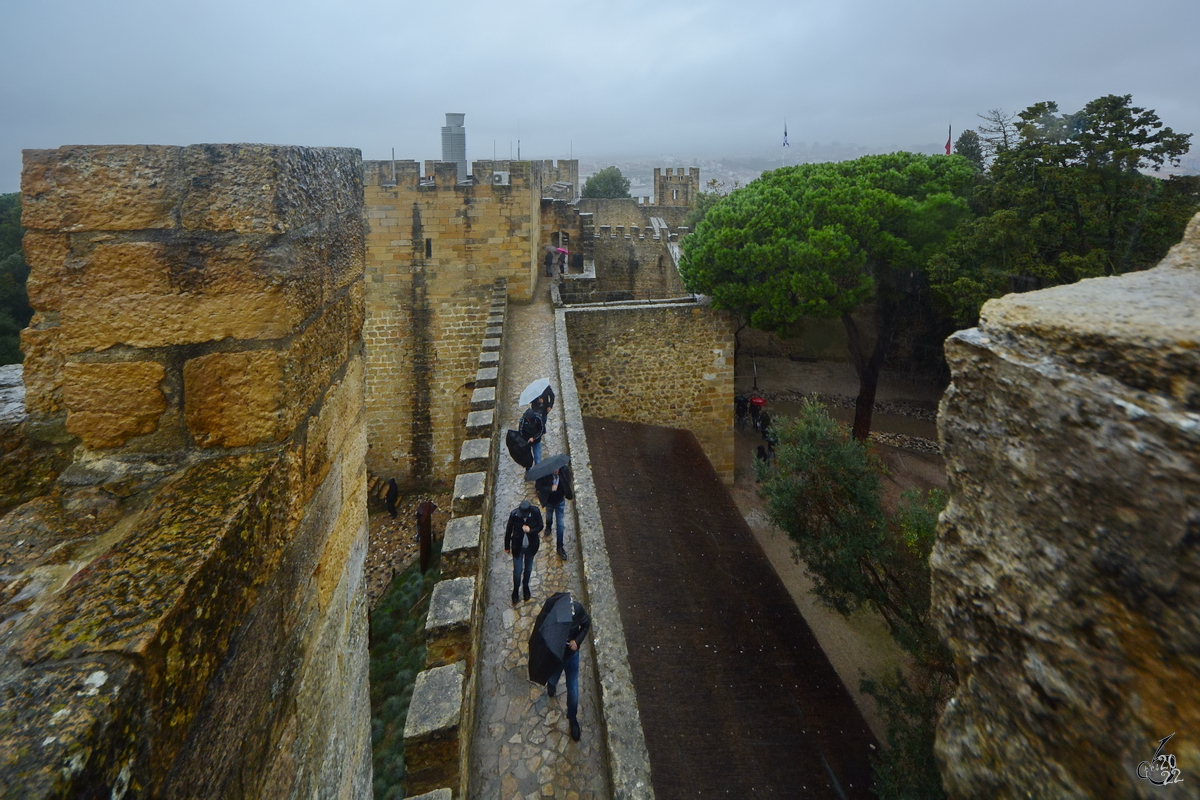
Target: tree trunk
[(868, 367)]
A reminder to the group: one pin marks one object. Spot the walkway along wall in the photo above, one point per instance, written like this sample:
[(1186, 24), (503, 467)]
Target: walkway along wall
[(1066, 575), (181, 612), (437, 744), (434, 248), (667, 364)]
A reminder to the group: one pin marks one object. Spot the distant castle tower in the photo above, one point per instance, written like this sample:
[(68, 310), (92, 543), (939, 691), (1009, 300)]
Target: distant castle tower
[(676, 188), (454, 143)]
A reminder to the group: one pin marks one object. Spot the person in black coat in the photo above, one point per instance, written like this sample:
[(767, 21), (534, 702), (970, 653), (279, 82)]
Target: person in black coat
[(532, 427), (521, 541), (581, 623), (553, 491)]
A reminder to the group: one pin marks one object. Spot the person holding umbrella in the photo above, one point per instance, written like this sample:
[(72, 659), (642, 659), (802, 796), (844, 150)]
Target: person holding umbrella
[(554, 489), (521, 541), (558, 631), (562, 261), (549, 262), (540, 398)]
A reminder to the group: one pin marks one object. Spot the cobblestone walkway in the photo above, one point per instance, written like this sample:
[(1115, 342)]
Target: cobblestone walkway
[(522, 748)]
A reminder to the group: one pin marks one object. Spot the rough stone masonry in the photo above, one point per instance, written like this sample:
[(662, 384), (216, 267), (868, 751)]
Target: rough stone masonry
[(1066, 575), (181, 608)]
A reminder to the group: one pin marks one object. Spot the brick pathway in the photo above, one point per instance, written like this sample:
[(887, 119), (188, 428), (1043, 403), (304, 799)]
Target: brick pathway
[(522, 748)]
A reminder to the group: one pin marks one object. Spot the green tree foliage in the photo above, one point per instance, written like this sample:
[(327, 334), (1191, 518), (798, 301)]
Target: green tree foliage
[(970, 147), (820, 240), (15, 312), (608, 182), (703, 201), (824, 492), (1065, 200)]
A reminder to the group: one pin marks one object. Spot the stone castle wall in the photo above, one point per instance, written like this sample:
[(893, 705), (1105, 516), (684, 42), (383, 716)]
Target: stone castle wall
[(675, 188), (181, 612), (434, 249), (668, 365), (1066, 575), (637, 265)]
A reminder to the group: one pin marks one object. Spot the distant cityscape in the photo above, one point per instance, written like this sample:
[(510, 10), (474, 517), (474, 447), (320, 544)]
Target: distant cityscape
[(640, 168)]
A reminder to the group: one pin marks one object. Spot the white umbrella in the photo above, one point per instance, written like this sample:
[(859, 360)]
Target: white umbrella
[(533, 391)]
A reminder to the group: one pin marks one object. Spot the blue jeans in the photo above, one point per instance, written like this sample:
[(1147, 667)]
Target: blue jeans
[(522, 568), (537, 451), (571, 665), (554, 513)]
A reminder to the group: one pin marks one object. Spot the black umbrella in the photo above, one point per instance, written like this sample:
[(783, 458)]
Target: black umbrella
[(519, 449), (547, 466), (548, 642)]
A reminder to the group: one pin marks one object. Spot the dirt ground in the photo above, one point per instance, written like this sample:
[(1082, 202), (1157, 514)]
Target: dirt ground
[(735, 693), (859, 646), (393, 542)]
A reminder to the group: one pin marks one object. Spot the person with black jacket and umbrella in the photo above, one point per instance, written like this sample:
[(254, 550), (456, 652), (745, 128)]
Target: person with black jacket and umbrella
[(554, 490), (521, 540), (558, 632)]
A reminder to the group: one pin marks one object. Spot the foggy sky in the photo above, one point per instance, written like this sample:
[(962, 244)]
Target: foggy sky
[(668, 77)]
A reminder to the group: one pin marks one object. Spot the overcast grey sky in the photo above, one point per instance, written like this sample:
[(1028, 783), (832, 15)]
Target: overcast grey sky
[(672, 77)]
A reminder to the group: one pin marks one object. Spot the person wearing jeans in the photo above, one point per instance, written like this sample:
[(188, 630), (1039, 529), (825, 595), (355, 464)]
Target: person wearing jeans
[(521, 540), (581, 623), (553, 491)]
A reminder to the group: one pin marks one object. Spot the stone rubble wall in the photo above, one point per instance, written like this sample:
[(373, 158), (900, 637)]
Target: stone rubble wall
[(661, 364), (637, 264), (182, 613), (1066, 575), (437, 733), (426, 313)]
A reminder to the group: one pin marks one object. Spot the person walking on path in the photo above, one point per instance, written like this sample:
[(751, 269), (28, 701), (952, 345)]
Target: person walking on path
[(549, 262), (562, 262), (532, 427), (581, 623), (554, 490), (521, 541)]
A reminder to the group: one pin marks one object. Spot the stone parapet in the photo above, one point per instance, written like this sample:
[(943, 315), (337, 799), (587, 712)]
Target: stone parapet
[(453, 625), (448, 624), (1066, 577), (183, 611), (628, 758)]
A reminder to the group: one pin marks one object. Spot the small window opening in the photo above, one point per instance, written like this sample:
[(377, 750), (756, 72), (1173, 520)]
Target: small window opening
[(429, 248)]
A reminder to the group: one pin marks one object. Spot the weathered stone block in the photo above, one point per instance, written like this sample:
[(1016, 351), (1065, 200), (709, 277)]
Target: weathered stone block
[(486, 377), (46, 254), (493, 330), (235, 399), (151, 294), (448, 625), (489, 359), (1066, 580), (483, 398), (469, 493), (42, 370), (109, 404), (432, 729), (474, 455), (105, 188), (461, 546), (479, 423), (491, 344), (252, 188)]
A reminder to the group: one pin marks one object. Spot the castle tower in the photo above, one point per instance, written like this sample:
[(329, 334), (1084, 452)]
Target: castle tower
[(454, 143)]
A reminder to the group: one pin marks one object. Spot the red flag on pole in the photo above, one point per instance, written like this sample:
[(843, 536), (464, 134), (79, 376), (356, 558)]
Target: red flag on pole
[(949, 135)]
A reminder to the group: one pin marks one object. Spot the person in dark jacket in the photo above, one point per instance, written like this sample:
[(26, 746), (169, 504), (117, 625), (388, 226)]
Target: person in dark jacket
[(532, 427), (549, 262), (581, 623), (554, 490), (521, 541)]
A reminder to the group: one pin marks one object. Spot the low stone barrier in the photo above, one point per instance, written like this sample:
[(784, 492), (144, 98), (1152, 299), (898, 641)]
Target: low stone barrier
[(440, 717), (628, 759)]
